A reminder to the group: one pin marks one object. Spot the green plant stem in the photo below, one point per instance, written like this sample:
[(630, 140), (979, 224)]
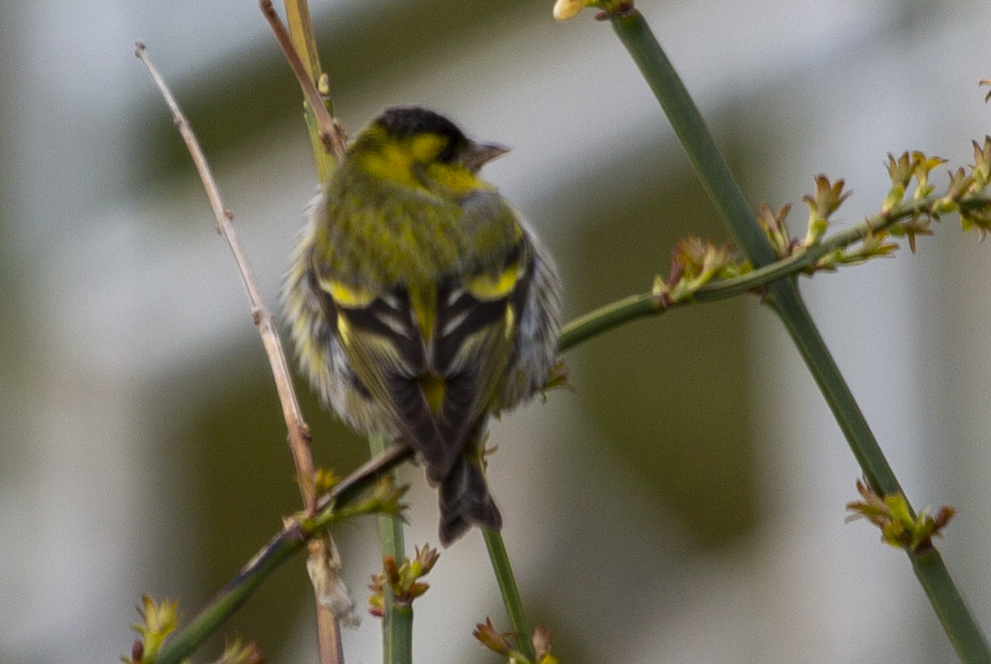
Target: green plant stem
[(229, 599), (397, 633), (337, 504), (304, 43), (805, 335), (959, 624), (646, 304), (301, 30), (510, 593), (783, 296), (688, 124), (397, 618), (390, 527), (931, 571)]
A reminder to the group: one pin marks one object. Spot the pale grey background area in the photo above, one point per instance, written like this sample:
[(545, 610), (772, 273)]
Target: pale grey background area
[(132, 379)]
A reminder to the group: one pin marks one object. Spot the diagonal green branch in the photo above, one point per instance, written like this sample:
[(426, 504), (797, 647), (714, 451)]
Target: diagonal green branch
[(341, 502), (397, 619), (691, 129), (510, 592), (728, 198), (783, 297), (802, 261)]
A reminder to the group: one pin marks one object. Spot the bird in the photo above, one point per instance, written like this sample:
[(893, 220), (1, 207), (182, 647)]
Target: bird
[(420, 302)]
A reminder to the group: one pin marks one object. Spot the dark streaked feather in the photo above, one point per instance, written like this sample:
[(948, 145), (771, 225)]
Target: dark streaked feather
[(468, 347), (465, 501)]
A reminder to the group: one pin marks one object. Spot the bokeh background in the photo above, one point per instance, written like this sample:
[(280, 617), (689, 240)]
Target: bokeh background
[(683, 503)]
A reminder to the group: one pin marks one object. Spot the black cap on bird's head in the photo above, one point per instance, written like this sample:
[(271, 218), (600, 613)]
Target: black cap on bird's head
[(404, 121), (409, 121)]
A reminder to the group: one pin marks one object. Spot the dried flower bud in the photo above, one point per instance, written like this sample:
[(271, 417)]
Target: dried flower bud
[(566, 9)]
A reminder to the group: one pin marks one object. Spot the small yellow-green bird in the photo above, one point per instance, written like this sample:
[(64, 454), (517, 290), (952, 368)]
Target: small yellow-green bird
[(421, 303)]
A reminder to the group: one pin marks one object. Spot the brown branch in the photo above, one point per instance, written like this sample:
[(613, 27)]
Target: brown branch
[(301, 31), (327, 136), (278, 549), (299, 433), (330, 132)]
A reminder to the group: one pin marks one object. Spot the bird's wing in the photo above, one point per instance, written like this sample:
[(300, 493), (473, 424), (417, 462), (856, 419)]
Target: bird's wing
[(474, 342), (435, 356), (387, 353)]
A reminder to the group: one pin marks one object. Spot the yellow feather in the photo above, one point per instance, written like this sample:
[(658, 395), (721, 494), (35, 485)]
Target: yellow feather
[(391, 163), (344, 330), (489, 287), (510, 321), (349, 297), (433, 390), (455, 180), (423, 300), (424, 147)]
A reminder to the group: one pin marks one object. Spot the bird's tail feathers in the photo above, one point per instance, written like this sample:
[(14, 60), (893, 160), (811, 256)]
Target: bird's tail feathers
[(465, 501)]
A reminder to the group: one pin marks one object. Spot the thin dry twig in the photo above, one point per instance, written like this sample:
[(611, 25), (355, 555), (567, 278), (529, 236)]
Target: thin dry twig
[(290, 538), (331, 651), (299, 434), (331, 133), (301, 30), (331, 137)]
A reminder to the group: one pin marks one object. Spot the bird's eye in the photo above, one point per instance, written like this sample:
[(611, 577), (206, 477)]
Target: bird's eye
[(446, 156)]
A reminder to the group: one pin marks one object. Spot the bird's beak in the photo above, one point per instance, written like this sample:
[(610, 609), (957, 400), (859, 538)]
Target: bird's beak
[(480, 154)]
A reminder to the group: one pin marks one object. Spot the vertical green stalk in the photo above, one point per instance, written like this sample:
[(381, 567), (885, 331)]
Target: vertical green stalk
[(390, 526), (510, 593), (397, 618), (301, 31), (783, 296), (397, 632), (691, 129)]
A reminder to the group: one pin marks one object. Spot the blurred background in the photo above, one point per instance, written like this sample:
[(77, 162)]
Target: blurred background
[(683, 503)]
